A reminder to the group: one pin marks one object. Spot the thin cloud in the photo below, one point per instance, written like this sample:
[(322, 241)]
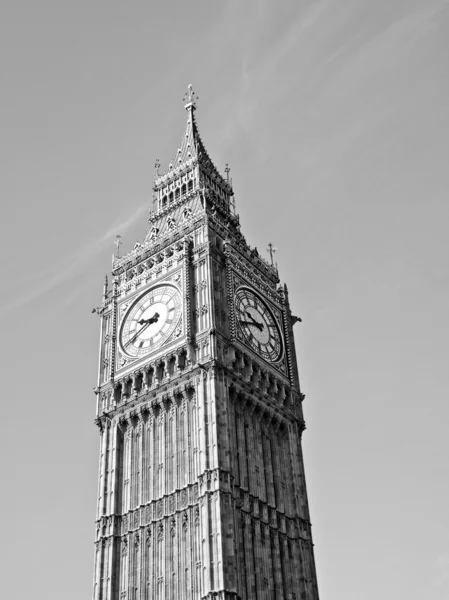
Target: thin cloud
[(121, 226), (364, 52), (78, 261), (442, 579), (389, 44)]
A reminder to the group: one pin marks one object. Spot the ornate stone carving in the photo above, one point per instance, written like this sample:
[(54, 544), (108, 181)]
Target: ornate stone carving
[(124, 546), (187, 214), (153, 233)]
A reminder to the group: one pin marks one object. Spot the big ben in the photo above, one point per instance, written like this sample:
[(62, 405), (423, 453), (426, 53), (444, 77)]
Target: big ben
[(202, 491)]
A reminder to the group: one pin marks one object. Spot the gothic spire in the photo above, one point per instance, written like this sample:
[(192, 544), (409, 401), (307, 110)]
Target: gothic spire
[(191, 151)]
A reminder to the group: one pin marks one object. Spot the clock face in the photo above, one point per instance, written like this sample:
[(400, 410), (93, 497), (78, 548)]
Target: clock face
[(151, 320), (257, 324)]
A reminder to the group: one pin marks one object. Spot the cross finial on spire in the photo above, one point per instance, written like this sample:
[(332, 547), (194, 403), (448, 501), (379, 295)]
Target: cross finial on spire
[(227, 170), (190, 98), (117, 244), (271, 250), (157, 164)]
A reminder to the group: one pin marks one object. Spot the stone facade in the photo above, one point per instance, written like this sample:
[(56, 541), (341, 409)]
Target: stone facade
[(201, 490)]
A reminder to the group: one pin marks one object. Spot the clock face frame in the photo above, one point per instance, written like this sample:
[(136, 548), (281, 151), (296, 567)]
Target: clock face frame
[(257, 324), (151, 320)]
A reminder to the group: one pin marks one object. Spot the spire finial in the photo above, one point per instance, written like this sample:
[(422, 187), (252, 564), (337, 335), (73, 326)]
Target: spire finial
[(190, 98), (157, 164), (117, 244), (227, 170), (105, 287), (271, 250)]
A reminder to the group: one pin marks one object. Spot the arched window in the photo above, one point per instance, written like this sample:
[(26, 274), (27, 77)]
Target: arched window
[(171, 197), (126, 390), (138, 383), (190, 185), (183, 189), (118, 393), (177, 194), (164, 201)]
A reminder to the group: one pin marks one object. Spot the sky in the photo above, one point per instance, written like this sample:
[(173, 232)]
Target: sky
[(334, 119)]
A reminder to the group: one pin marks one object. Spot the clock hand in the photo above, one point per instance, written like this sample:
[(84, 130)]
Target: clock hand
[(251, 317), (153, 319), (137, 333), (254, 320), (255, 323), (146, 323)]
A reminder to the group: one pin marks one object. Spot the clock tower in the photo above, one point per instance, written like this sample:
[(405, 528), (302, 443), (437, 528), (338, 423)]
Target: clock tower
[(201, 491)]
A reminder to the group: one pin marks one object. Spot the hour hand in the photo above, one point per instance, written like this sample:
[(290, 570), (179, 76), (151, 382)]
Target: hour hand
[(145, 323), (254, 323), (151, 320)]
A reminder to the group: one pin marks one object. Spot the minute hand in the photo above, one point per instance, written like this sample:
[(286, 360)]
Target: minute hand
[(138, 333), (145, 323), (251, 316)]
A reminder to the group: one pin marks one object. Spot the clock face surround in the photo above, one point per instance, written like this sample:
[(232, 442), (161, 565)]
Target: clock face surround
[(257, 325), (151, 320)]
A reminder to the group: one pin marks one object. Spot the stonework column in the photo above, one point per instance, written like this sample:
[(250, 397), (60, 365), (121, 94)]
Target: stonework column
[(202, 424), (276, 575), (97, 576), (110, 590), (102, 480)]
